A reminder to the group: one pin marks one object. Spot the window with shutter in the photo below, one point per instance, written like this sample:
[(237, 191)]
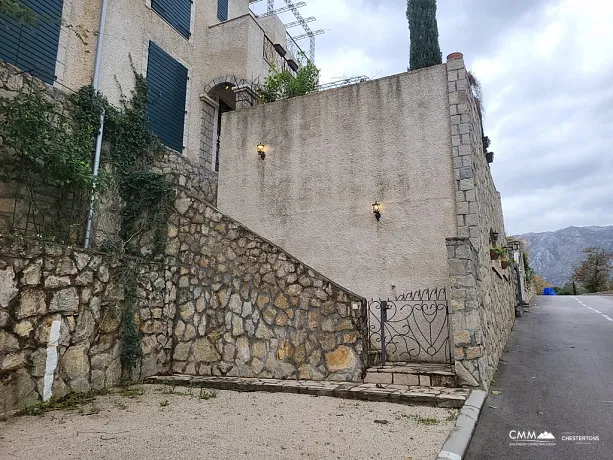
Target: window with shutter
[(222, 10), (178, 13), (167, 83), (33, 48)]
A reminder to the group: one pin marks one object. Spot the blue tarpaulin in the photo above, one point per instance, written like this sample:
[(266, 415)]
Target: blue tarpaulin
[(549, 291)]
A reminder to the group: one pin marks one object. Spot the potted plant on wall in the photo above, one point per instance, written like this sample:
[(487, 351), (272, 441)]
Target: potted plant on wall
[(497, 252), (504, 263)]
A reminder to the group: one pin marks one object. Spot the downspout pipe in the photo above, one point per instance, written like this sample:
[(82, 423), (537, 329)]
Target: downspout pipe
[(96, 84)]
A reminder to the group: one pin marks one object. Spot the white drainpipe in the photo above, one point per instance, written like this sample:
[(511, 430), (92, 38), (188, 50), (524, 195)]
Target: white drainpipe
[(96, 84)]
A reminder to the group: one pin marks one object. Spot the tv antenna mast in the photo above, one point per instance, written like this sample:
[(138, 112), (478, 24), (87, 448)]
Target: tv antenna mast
[(292, 7)]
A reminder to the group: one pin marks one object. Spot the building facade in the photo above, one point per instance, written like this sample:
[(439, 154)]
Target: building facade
[(201, 58)]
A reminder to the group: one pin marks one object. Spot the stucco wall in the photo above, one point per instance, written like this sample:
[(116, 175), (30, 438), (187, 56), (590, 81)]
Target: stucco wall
[(329, 156)]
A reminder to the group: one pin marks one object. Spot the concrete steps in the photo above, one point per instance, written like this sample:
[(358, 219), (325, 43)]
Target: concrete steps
[(413, 374), (423, 396)]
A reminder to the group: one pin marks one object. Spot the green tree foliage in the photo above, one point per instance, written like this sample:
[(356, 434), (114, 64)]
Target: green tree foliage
[(595, 271), (15, 10), (423, 28), (283, 85)]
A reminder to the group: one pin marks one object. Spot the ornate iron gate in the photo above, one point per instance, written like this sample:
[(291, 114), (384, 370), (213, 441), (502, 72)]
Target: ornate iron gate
[(415, 327)]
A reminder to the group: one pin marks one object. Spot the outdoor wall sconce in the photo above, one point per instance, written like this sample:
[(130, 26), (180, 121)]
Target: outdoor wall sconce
[(495, 236), (376, 210), (261, 152)]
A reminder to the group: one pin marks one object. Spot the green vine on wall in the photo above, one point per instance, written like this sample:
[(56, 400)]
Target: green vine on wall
[(53, 147), (148, 196)]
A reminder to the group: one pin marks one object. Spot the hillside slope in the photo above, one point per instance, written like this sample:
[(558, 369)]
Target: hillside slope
[(553, 255)]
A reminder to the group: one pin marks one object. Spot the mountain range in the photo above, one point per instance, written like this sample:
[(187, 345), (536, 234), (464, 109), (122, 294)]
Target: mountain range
[(554, 255)]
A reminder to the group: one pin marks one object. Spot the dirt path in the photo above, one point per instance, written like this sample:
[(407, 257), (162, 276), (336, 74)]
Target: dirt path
[(166, 423)]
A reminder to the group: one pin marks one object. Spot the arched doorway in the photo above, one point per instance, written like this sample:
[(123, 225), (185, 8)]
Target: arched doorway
[(224, 94)]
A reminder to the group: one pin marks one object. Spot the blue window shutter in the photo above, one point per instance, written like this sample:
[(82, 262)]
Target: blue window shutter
[(178, 13), (222, 10), (167, 83), (33, 48)]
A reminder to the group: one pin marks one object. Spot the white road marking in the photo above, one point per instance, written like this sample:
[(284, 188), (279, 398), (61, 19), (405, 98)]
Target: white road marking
[(594, 310)]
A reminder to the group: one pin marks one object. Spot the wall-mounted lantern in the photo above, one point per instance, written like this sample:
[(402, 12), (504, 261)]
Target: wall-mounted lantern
[(495, 235), (261, 151), (376, 210)]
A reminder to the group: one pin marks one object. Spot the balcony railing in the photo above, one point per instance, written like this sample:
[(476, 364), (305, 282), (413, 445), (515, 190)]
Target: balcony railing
[(296, 51)]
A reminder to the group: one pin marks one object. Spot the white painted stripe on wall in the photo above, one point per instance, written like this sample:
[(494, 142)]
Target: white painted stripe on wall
[(51, 364)]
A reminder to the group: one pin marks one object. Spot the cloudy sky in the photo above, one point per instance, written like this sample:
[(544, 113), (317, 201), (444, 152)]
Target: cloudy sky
[(547, 71)]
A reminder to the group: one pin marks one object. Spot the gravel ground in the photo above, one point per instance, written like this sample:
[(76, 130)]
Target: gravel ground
[(166, 423)]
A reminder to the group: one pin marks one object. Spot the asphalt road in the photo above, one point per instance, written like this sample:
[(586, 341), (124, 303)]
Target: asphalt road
[(556, 375)]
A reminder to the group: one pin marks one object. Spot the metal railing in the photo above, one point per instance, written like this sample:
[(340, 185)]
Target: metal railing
[(413, 327)]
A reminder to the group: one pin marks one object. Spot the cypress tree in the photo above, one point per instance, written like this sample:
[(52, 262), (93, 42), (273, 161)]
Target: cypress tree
[(425, 49)]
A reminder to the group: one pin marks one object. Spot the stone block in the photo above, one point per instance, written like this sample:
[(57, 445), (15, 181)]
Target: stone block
[(464, 150), (455, 64), (8, 287), (65, 301), (474, 352), (424, 380), (31, 303), (404, 379), (467, 184), (453, 110), (452, 75), (462, 108), (379, 377), (457, 97), (461, 337), (451, 86), (341, 359), (462, 208), (466, 172)]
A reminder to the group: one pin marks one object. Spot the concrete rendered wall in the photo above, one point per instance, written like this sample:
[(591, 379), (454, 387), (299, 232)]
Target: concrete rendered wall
[(330, 156)]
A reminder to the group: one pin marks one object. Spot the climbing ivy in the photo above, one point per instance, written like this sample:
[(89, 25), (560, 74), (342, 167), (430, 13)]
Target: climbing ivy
[(130, 342), (53, 147), (148, 196)]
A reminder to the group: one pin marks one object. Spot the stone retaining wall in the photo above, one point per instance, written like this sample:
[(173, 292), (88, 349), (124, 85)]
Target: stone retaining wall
[(77, 293), (246, 308), (15, 201), (482, 292)]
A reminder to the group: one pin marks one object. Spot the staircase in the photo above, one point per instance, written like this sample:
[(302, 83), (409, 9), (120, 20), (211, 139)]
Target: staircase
[(413, 374)]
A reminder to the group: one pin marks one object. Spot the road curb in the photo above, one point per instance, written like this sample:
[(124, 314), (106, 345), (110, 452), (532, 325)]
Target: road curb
[(457, 442)]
